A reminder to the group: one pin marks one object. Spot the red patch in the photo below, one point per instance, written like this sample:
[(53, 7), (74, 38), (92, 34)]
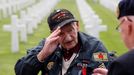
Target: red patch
[(100, 56)]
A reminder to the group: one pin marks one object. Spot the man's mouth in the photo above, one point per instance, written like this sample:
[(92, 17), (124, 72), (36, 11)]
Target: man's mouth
[(68, 42)]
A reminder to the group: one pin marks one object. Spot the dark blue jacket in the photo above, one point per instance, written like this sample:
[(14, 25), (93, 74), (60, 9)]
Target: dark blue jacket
[(124, 65), (29, 65)]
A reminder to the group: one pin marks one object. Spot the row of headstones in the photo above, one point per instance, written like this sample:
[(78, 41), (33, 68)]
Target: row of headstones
[(110, 4), (27, 22), (8, 7), (92, 23)]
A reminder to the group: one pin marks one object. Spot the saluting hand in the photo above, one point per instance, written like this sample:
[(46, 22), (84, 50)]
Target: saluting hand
[(50, 45)]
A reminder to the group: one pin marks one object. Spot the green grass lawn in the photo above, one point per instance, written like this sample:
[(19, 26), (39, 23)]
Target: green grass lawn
[(110, 38)]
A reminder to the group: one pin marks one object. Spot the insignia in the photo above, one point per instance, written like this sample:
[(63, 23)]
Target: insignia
[(100, 56), (83, 70), (50, 65), (58, 15), (102, 65)]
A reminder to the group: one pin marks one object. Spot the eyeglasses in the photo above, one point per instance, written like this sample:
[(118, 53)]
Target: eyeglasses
[(122, 21)]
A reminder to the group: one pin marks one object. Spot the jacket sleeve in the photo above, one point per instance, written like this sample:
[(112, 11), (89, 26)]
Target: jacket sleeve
[(116, 69), (101, 48), (30, 65)]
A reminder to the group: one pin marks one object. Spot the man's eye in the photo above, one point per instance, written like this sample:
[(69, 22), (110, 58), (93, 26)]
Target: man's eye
[(61, 34), (70, 30)]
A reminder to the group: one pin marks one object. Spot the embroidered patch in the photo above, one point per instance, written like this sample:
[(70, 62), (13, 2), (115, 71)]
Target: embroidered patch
[(50, 65), (100, 56), (102, 65)]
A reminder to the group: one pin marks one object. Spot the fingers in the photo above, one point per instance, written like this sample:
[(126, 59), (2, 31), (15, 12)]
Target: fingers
[(97, 74), (54, 36), (101, 71), (55, 39), (56, 32)]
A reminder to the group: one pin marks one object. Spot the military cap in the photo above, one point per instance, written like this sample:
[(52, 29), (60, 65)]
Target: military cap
[(60, 17), (125, 8)]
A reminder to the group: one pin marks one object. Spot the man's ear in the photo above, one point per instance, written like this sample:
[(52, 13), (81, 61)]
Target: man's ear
[(130, 29)]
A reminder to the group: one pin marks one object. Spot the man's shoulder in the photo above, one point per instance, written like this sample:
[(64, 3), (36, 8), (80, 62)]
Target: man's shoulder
[(127, 56), (87, 37), (91, 43), (126, 59), (124, 63), (37, 48)]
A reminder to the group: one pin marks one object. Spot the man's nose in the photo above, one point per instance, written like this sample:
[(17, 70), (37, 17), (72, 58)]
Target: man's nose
[(68, 37)]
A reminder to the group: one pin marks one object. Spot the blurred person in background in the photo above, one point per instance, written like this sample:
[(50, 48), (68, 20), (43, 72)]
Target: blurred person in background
[(124, 65)]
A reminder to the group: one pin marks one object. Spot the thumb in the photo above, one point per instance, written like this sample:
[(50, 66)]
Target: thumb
[(102, 71)]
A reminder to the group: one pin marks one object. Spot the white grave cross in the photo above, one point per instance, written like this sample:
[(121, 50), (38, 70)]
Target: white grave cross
[(13, 28), (95, 30), (90, 19)]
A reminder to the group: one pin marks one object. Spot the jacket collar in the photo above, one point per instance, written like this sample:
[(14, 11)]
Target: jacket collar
[(86, 44), (84, 40)]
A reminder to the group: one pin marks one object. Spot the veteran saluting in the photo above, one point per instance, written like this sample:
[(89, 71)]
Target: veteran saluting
[(66, 51)]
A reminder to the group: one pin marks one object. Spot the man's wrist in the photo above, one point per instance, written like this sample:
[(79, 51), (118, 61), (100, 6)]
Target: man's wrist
[(41, 56)]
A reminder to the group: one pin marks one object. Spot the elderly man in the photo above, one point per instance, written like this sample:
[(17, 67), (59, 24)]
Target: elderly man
[(124, 65), (66, 51)]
